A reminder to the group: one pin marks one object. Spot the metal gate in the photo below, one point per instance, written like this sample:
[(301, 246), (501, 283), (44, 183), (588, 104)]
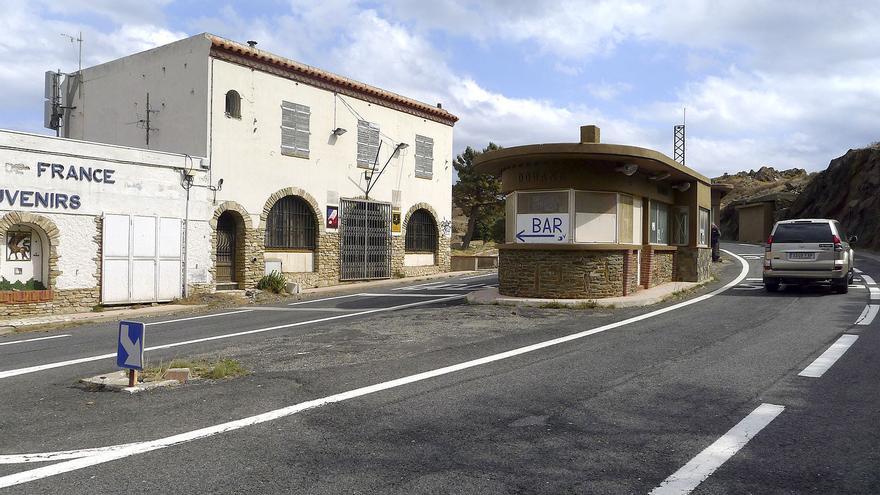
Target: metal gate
[(365, 248), (226, 249)]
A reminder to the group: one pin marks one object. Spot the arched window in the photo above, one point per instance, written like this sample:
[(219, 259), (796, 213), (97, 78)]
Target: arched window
[(421, 232), (233, 104), (291, 224)]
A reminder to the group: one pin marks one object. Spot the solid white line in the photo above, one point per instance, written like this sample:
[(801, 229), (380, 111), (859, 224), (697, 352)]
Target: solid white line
[(324, 299), (42, 367), (419, 286), (868, 314), (875, 292), (857, 286), (868, 280), (755, 279), (479, 276), (686, 479), (198, 317), (110, 453), (377, 294), (34, 340), (822, 363)]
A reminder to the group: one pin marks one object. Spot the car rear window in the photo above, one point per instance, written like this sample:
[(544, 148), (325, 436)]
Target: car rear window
[(803, 232)]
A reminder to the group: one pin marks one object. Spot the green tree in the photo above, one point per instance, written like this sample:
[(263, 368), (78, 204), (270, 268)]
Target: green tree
[(475, 193)]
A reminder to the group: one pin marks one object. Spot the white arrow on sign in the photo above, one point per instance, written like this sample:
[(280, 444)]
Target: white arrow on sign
[(133, 349)]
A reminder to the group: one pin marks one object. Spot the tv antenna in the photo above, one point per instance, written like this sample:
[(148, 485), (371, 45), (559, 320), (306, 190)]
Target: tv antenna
[(79, 40), (678, 139), (145, 123)]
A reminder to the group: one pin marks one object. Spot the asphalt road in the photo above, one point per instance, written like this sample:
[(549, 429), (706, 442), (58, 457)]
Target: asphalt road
[(410, 390)]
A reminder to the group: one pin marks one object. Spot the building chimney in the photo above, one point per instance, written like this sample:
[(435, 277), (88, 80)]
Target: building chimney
[(589, 134), (440, 105), (252, 43)]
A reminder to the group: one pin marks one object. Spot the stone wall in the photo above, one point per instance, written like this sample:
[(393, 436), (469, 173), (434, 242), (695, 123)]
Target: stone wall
[(63, 301), (630, 270), (662, 267), (692, 264), (561, 274)]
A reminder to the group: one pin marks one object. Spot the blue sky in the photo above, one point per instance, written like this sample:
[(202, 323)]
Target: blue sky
[(779, 83)]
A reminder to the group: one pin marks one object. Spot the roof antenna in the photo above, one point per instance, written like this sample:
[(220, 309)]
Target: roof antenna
[(678, 139)]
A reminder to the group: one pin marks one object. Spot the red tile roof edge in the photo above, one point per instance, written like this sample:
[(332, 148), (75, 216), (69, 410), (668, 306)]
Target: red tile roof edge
[(334, 80)]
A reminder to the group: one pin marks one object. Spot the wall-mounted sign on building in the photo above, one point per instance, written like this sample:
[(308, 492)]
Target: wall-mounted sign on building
[(332, 217), (395, 221), (542, 228)]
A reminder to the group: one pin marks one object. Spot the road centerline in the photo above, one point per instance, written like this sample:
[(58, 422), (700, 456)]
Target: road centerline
[(689, 476), (824, 362), (34, 340)]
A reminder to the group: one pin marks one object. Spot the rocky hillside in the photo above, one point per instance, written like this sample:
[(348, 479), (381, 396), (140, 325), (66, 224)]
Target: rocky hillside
[(766, 182), (847, 191)]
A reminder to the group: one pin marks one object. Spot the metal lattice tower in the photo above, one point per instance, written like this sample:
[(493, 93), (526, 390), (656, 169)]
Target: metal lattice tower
[(678, 144)]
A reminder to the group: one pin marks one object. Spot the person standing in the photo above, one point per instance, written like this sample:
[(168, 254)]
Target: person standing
[(716, 243)]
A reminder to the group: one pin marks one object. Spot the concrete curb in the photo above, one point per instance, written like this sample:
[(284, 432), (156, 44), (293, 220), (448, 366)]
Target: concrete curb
[(646, 297)]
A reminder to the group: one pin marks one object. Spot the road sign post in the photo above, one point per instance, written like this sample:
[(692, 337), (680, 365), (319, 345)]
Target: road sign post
[(130, 349)]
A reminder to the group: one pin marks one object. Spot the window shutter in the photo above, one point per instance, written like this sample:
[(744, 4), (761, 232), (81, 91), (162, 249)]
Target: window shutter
[(424, 157), (295, 129), (368, 143)]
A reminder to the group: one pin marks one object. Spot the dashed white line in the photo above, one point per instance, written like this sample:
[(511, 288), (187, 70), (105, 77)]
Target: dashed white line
[(479, 276), (868, 314), (824, 362), (33, 340), (92, 457), (323, 299), (868, 280), (712, 457)]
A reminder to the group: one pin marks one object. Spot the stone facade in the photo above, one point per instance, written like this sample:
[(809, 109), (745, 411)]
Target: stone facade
[(657, 266), (692, 264), (441, 255), (561, 274)]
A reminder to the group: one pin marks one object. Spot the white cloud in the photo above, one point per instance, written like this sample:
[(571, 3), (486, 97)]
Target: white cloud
[(608, 91)]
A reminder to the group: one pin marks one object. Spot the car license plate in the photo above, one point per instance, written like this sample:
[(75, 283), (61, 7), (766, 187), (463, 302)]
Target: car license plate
[(800, 256)]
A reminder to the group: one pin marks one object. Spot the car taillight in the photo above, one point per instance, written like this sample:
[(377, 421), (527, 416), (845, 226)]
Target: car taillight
[(837, 245), (769, 243)]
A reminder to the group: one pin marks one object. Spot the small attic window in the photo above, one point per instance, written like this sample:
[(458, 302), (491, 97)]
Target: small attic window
[(233, 104)]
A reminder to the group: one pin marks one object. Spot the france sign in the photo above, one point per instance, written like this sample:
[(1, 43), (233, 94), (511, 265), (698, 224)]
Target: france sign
[(130, 346), (542, 228)]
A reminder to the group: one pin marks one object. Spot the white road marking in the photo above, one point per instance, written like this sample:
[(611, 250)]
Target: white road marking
[(875, 292), (294, 310), (43, 367), (324, 299), (868, 314), (377, 294), (479, 276), (868, 280), (857, 270), (91, 457), (686, 479), (824, 362), (198, 317), (755, 279), (419, 286), (33, 340), (857, 286)]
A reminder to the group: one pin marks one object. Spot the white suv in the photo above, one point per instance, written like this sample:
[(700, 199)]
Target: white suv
[(808, 250)]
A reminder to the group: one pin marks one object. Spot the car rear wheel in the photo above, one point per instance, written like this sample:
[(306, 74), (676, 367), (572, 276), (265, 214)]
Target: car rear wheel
[(771, 286), (841, 286)]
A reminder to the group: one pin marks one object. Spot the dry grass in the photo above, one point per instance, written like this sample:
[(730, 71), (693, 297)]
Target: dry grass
[(212, 370)]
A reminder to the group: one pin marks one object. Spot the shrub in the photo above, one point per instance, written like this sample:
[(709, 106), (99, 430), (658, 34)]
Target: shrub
[(273, 282), (19, 285)]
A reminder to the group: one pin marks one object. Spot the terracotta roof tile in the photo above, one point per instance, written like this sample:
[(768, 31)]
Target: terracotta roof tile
[(297, 68)]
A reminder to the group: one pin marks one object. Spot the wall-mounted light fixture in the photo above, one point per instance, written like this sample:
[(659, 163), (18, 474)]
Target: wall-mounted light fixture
[(628, 169), (339, 131)]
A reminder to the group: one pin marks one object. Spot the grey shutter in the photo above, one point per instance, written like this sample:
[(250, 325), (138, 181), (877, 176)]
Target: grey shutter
[(295, 129), (424, 157), (368, 143)]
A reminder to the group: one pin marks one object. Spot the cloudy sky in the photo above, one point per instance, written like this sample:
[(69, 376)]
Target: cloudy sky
[(780, 83)]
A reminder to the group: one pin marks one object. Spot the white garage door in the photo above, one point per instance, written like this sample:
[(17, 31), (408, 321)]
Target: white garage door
[(141, 259)]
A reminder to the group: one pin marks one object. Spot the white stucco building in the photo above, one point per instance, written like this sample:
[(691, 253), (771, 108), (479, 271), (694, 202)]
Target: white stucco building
[(85, 223), (321, 177)]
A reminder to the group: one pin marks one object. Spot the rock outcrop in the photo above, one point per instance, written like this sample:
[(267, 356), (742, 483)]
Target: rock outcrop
[(847, 191)]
